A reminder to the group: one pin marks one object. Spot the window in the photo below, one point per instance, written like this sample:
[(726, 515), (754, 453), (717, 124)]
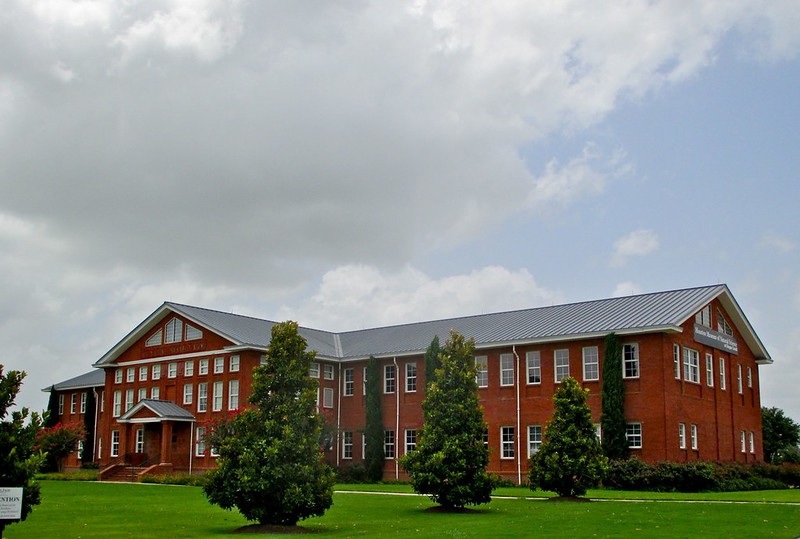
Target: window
[(143, 373), (80, 449), (752, 442), (388, 444), (349, 382), (709, 370), (742, 442), (411, 440), (722, 373), (139, 440), (188, 369), (188, 393), (192, 333), (219, 365), (682, 435), (233, 364), (313, 370), (216, 397), (262, 360), (347, 444), (676, 358), (103, 400), (142, 394), (128, 399), (174, 331), (506, 442), (156, 372), (117, 409), (694, 437), (704, 317), (598, 432), (411, 377), (486, 438), (633, 432), (327, 397), (172, 370), (482, 371), (233, 395), (201, 442), (327, 371), (155, 393), (130, 374), (114, 443), (506, 370), (749, 378), (364, 381), (533, 363), (154, 340), (83, 402), (534, 439), (739, 379), (73, 403), (722, 324), (630, 360), (691, 365), (202, 367), (388, 378), (202, 397), (99, 448), (118, 376), (591, 363), (61, 404), (561, 361)]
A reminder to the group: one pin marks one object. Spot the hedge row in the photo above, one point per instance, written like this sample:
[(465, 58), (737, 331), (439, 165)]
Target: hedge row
[(699, 476)]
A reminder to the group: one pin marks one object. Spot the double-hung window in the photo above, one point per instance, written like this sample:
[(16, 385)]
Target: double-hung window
[(591, 363), (676, 358), (506, 369), (482, 371), (202, 367), (506, 442), (633, 432), (233, 395), (188, 393), (130, 375), (118, 376), (172, 370), (347, 444), (216, 403), (201, 442), (388, 444), (156, 372), (327, 397), (411, 441), (202, 397), (117, 408), (722, 380), (694, 436), (739, 378), (534, 439), (143, 373), (349, 382), (114, 443), (388, 378), (219, 365), (327, 371), (682, 435), (233, 364), (691, 365), (411, 377), (83, 402), (533, 364), (188, 369), (313, 370), (561, 363), (709, 370), (128, 399), (630, 360)]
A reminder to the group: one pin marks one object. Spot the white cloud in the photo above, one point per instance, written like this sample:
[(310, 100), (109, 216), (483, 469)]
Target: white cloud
[(637, 243), (778, 243), (626, 288)]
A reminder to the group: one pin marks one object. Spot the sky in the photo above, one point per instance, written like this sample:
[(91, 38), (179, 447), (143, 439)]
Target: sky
[(352, 164)]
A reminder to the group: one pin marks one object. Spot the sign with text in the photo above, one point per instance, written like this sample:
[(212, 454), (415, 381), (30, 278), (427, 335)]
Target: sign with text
[(10, 503), (715, 339)]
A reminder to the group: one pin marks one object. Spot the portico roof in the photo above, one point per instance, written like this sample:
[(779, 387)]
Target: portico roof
[(160, 410)]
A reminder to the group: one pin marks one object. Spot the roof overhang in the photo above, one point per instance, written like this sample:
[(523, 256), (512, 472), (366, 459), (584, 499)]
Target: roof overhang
[(163, 410)]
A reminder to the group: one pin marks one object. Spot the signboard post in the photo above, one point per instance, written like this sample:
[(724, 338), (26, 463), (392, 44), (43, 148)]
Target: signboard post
[(10, 503)]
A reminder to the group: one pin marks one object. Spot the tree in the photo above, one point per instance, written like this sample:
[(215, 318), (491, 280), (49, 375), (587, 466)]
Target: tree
[(373, 430), (781, 434), (270, 466), (58, 442), (52, 418), (612, 418), (88, 427), (432, 360), (19, 461), (570, 459), (450, 460)]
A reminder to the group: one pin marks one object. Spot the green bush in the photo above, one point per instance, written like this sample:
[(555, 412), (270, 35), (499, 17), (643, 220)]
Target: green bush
[(352, 473), (82, 475), (192, 480)]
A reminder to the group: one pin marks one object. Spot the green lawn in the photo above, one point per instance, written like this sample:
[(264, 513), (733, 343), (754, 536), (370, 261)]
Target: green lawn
[(84, 509)]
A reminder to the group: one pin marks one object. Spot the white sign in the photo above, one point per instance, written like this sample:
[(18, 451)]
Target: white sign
[(10, 503)]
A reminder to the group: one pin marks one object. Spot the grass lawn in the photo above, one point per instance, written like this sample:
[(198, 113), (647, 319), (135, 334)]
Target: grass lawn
[(87, 509)]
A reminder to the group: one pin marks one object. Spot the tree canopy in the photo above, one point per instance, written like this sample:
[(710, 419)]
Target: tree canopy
[(781, 435), (450, 460), (270, 466)]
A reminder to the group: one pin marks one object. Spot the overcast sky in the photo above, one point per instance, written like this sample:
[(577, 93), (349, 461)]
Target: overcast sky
[(351, 164)]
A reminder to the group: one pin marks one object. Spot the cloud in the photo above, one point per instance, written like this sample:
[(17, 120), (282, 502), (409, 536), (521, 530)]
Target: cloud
[(626, 288), (637, 243), (779, 244)]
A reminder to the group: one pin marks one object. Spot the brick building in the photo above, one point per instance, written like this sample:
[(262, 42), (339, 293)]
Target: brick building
[(690, 361)]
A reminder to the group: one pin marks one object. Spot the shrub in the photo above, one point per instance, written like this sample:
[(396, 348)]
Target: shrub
[(352, 473), (192, 480)]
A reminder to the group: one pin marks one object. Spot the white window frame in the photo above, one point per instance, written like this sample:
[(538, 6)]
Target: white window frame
[(703, 316), (116, 411), (73, 404), (327, 397), (630, 360), (188, 369), (328, 372), (118, 376), (130, 375), (202, 367), (411, 377), (560, 364), (155, 393), (202, 397), (591, 362), (482, 371), (752, 442), (188, 393), (389, 378), (128, 399), (633, 433), (200, 442), (710, 370), (388, 444), (141, 394), (172, 370), (722, 379), (84, 396), (682, 435), (173, 331), (506, 370), (410, 437), (234, 364), (534, 439), (217, 396), (739, 384), (533, 367), (742, 442), (233, 394), (347, 445), (348, 382), (507, 443), (749, 377), (313, 370), (114, 443), (61, 404), (219, 365), (139, 440), (156, 372), (694, 436), (676, 358), (143, 373), (364, 381), (691, 365)]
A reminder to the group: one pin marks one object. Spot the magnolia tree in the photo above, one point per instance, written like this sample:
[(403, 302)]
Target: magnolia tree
[(570, 459), (450, 460), (270, 466)]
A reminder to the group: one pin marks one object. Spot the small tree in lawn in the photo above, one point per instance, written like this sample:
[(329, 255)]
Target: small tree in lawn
[(19, 460), (570, 459), (612, 418), (450, 460), (270, 466), (373, 431), (58, 442)]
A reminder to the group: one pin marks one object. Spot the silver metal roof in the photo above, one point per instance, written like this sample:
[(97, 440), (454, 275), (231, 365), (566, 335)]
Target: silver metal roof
[(95, 378), (163, 409)]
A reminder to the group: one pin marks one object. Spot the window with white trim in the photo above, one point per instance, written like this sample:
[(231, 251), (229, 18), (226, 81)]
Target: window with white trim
[(99, 448), (118, 376), (742, 442), (411, 441), (192, 333), (388, 444), (83, 402), (117, 408), (482, 371), (219, 365), (561, 364), (598, 432), (200, 445), (80, 449), (709, 370), (130, 374), (388, 378), (156, 372), (103, 400), (313, 369), (233, 394), (174, 331), (216, 397), (327, 397), (155, 393), (188, 369), (73, 403), (61, 404), (533, 364), (142, 394), (506, 369), (739, 378), (327, 371), (364, 381), (202, 367), (691, 365), (694, 436), (347, 444), (172, 370), (155, 339), (143, 373), (233, 364), (188, 393), (633, 432), (202, 397), (139, 441), (506, 442), (128, 399), (749, 377), (591, 363), (752, 442), (703, 317), (630, 360), (722, 324), (676, 359), (349, 382), (411, 377), (682, 435), (114, 443), (534, 439), (722, 381)]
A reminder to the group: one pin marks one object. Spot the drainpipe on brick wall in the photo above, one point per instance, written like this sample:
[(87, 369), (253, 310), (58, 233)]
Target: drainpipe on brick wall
[(397, 418), (519, 445), (339, 414), (191, 445)]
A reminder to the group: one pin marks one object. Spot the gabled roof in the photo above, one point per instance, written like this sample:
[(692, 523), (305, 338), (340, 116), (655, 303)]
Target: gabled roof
[(162, 410), (94, 378), (660, 311)]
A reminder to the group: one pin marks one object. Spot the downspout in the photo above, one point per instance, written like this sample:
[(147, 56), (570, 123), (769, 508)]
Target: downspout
[(339, 415), (397, 419), (519, 445), (94, 442), (191, 445)]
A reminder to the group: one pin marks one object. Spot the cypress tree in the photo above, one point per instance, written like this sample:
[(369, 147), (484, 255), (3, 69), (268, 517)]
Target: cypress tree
[(374, 429), (432, 361), (52, 409), (88, 425), (612, 420)]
